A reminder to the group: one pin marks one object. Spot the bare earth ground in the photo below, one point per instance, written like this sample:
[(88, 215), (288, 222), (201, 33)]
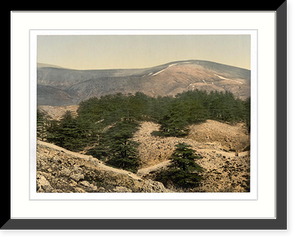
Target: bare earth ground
[(224, 171), (230, 137), (216, 139), (56, 112)]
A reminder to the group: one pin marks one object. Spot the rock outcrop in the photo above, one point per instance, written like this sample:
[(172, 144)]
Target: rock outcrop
[(61, 171)]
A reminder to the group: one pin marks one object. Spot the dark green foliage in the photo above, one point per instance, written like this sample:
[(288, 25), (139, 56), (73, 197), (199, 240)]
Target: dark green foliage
[(247, 113), (124, 155), (116, 147), (174, 114), (197, 106), (183, 172), (179, 178), (100, 149), (174, 123), (42, 125), (187, 108), (71, 133), (184, 158), (224, 107), (122, 152)]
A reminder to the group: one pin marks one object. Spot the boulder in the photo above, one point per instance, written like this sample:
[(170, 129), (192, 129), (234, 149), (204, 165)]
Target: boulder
[(89, 186), (153, 186), (77, 177), (43, 185)]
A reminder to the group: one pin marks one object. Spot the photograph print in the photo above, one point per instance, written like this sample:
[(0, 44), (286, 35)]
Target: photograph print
[(143, 113)]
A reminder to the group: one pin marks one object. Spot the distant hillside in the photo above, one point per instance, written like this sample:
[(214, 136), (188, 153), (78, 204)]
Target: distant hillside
[(59, 86), (39, 65)]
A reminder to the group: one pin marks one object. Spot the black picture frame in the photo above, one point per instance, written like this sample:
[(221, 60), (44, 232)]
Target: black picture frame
[(279, 223)]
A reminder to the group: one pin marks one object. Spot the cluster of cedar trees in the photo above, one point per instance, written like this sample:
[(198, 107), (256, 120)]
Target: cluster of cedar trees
[(104, 127)]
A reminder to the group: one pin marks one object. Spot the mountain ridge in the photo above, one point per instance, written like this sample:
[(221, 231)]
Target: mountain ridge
[(72, 86)]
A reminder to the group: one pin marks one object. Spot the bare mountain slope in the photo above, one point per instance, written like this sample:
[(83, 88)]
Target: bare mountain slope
[(57, 112), (72, 86)]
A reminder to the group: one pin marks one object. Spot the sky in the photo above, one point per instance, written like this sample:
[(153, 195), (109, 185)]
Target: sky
[(141, 51)]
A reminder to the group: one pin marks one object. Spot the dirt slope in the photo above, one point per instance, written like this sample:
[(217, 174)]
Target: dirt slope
[(230, 137), (224, 171), (210, 137), (56, 112)]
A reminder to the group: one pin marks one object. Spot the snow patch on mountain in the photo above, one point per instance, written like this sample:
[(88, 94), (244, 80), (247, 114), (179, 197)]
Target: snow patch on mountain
[(164, 69)]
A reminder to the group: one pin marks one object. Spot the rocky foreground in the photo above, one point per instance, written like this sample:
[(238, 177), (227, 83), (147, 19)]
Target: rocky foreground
[(226, 165), (61, 171)]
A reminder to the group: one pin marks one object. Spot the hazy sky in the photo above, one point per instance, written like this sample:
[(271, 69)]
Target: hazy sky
[(140, 51)]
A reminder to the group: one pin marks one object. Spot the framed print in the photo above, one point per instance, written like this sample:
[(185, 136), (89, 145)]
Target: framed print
[(185, 110), (122, 116)]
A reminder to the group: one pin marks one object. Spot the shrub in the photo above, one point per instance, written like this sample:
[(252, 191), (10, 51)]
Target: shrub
[(116, 146), (183, 171)]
